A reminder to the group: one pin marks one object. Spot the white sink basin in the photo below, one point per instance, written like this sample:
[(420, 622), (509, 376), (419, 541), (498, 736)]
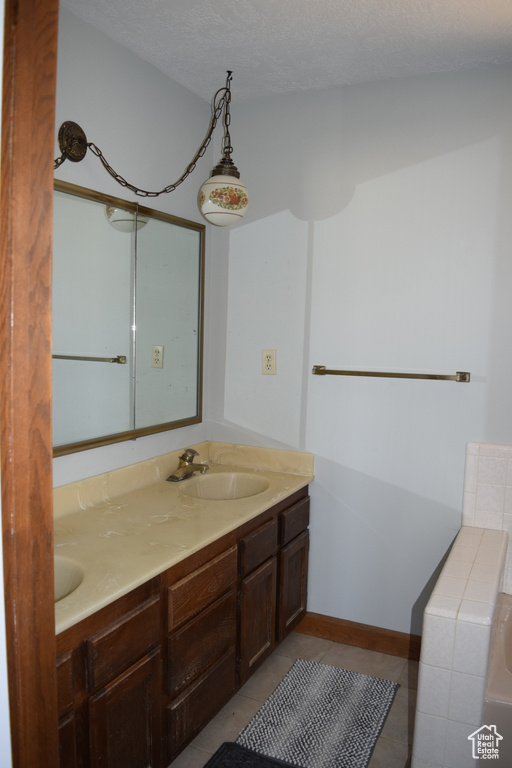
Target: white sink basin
[(225, 486), (68, 576)]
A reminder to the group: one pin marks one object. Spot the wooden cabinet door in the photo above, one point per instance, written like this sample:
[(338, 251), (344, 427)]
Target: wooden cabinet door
[(257, 618), (293, 584), (124, 718)]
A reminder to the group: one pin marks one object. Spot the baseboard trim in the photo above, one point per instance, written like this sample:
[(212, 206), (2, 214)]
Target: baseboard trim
[(361, 635)]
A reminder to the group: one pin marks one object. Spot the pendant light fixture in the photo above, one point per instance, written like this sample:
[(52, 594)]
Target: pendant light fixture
[(222, 199)]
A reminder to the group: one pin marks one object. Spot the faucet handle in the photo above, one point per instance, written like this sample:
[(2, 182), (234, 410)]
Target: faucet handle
[(188, 455)]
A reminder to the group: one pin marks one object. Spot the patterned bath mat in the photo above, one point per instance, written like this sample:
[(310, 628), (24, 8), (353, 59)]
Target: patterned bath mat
[(321, 717), (231, 755)]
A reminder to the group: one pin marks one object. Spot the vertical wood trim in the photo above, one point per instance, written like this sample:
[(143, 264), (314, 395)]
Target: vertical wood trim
[(28, 114)]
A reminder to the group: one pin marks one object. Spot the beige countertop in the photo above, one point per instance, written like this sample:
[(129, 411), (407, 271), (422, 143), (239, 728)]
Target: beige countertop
[(122, 540)]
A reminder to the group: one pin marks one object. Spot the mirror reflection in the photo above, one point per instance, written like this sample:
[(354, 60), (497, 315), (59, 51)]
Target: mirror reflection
[(127, 320)]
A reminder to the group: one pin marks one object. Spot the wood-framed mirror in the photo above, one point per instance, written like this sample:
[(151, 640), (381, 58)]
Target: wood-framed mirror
[(128, 297)]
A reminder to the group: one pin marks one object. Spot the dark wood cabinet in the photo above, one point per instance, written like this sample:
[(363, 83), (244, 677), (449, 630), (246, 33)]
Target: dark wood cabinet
[(293, 584), (293, 566), (258, 601), (258, 573), (273, 589), (109, 686), (124, 715), (201, 642), (199, 702), (124, 718), (141, 677), (201, 658)]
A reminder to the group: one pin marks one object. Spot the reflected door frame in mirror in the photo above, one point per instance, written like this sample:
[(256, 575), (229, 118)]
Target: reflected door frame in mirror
[(126, 353)]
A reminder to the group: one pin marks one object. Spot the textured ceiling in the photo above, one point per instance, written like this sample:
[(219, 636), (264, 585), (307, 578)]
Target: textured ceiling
[(283, 46)]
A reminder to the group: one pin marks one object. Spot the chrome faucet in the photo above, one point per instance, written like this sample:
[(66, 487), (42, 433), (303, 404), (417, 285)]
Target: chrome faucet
[(186, 466)]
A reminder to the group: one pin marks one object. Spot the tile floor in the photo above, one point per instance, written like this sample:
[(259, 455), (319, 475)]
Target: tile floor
[(393, 748)]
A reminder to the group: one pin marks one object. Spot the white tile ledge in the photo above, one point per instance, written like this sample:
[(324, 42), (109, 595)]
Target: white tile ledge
[(465, 591)]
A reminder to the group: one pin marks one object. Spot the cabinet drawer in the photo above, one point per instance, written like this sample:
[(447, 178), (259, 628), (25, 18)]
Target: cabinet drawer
[(201, 642), (201, 588), (190, 712), (123, 642), (258, 546), (293, 521)]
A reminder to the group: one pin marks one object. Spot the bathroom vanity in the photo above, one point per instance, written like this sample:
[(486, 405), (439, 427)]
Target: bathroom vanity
[(140, 676)]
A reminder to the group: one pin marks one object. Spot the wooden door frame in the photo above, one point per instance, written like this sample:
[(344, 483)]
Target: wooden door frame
[(28, 117)]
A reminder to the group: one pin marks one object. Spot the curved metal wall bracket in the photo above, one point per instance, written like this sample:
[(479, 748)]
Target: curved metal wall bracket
[(72, 141)]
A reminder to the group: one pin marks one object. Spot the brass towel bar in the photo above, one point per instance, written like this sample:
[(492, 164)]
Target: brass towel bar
[(461, 376), (120, 359)]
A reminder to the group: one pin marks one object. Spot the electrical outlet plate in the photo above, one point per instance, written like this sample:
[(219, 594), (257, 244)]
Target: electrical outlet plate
[(268, 362), (157, 356)]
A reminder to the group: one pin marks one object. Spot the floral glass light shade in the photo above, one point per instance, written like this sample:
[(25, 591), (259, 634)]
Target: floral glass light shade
[(222, 199)]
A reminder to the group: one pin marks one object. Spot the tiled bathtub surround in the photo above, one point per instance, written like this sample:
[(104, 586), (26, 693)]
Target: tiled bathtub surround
[(488, 493), (455, 646)]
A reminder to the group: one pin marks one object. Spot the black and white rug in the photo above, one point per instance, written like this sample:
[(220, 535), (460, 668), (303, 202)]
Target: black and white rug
[(230, 755), (321, 717)]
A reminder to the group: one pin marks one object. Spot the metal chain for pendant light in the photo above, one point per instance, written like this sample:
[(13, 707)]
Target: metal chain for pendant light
[(226, 139), (220, 102)]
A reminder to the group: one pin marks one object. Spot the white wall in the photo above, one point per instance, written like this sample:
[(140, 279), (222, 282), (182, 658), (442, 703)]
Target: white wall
[(149, 129), (378, 238)]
